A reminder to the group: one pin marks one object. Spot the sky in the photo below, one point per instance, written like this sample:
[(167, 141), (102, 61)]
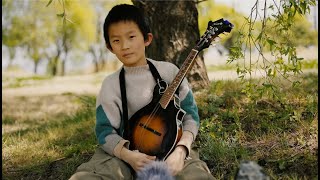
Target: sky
[(244, 6)]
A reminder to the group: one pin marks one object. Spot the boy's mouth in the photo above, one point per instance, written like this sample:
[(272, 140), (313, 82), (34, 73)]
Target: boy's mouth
[(127, 55)]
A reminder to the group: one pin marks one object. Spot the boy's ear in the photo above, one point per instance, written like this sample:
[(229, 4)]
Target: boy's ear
[(148, 40)]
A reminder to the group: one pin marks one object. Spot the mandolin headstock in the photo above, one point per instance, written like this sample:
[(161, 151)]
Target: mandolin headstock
[(214, 29)]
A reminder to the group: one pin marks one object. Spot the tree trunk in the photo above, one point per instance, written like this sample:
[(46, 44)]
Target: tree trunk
[(36, 63), (55, 66), (12, 53), (63, 61), (174, 25), (63, 67), (95, 59)]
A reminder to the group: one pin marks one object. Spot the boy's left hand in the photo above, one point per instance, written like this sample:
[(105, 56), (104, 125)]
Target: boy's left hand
[(175, 160)]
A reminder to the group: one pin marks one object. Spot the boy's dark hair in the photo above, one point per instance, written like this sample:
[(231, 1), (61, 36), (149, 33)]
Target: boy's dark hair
[(125, 12)]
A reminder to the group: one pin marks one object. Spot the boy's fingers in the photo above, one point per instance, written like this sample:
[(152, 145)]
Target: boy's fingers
[(151, 157)]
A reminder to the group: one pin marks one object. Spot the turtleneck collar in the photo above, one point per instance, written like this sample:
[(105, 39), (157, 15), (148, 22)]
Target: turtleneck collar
[(136, 69)]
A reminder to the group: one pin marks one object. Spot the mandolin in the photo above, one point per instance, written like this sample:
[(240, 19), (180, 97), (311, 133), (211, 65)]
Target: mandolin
[(156, 128)]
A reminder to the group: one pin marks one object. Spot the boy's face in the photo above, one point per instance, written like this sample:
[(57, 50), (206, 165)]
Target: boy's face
[(127, 43)]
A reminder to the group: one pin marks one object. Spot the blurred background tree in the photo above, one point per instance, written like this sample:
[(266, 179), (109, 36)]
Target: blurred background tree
[(78, 29), (278, 34), (57, 32)]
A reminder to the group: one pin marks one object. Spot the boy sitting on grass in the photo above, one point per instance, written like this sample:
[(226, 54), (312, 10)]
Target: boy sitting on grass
[(127, 34)]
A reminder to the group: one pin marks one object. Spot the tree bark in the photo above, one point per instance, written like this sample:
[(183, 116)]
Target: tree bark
[(95, 59), (174, 25)]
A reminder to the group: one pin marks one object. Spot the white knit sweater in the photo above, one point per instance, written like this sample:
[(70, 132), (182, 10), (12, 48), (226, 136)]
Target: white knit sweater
[(139, 88)]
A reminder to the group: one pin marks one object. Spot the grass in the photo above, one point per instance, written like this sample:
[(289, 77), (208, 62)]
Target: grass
[(16, 82), (282, 136), (56, 142), (47, 137)]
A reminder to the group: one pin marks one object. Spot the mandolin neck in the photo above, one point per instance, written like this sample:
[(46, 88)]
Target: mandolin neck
[(185, 68)]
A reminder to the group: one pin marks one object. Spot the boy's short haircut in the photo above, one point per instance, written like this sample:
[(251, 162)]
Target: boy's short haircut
[(126, 12)]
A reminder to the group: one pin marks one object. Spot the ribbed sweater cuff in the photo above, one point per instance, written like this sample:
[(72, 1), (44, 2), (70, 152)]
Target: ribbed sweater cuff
[(117, 150), (111, 141), (186, 141), (191, 126)]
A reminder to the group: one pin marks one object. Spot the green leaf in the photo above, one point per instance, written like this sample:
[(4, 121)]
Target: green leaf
[(50, 1), (296, 83), (274, 72), (267, 85), (303, 6), (282, 165), (60, 15), (271, 42), (269, 72), (259, 37)]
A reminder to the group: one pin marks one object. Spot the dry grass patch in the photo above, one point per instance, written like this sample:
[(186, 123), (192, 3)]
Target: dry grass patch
[(56, 130), (23, 112)]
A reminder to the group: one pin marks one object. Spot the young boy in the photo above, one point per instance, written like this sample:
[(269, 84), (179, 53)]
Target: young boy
[(127, 34)]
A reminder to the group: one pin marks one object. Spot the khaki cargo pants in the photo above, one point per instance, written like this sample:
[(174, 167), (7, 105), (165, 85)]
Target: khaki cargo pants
[(104, 166)]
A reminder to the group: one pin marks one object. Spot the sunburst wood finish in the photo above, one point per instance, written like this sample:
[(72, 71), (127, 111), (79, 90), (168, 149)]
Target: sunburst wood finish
[(155, 130)]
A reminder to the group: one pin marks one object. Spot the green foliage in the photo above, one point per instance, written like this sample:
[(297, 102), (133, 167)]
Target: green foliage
[(35, 29), (83, 21), (299, 29), (281, 136), (78, 21), (311, 64), (25, 31), (299, 33), (279, 34), (222, 157), (78, 30)]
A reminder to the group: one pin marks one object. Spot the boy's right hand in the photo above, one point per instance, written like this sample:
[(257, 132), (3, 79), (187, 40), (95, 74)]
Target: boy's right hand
[(136, 159)]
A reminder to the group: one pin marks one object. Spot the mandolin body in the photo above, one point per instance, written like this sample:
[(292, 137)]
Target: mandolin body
[(154, 130)]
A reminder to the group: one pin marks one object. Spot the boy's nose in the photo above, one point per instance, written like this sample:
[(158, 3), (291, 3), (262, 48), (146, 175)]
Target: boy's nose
[(125, 45)]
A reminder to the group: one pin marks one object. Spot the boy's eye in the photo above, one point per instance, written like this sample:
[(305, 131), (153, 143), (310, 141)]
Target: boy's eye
[(132, 37), (115, 41)]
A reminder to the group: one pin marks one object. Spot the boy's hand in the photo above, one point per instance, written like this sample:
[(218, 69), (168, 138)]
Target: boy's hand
[(175, 160), (136, 159)]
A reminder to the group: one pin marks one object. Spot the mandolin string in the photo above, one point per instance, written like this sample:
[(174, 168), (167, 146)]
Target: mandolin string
[(151, 116), (153, 113)]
